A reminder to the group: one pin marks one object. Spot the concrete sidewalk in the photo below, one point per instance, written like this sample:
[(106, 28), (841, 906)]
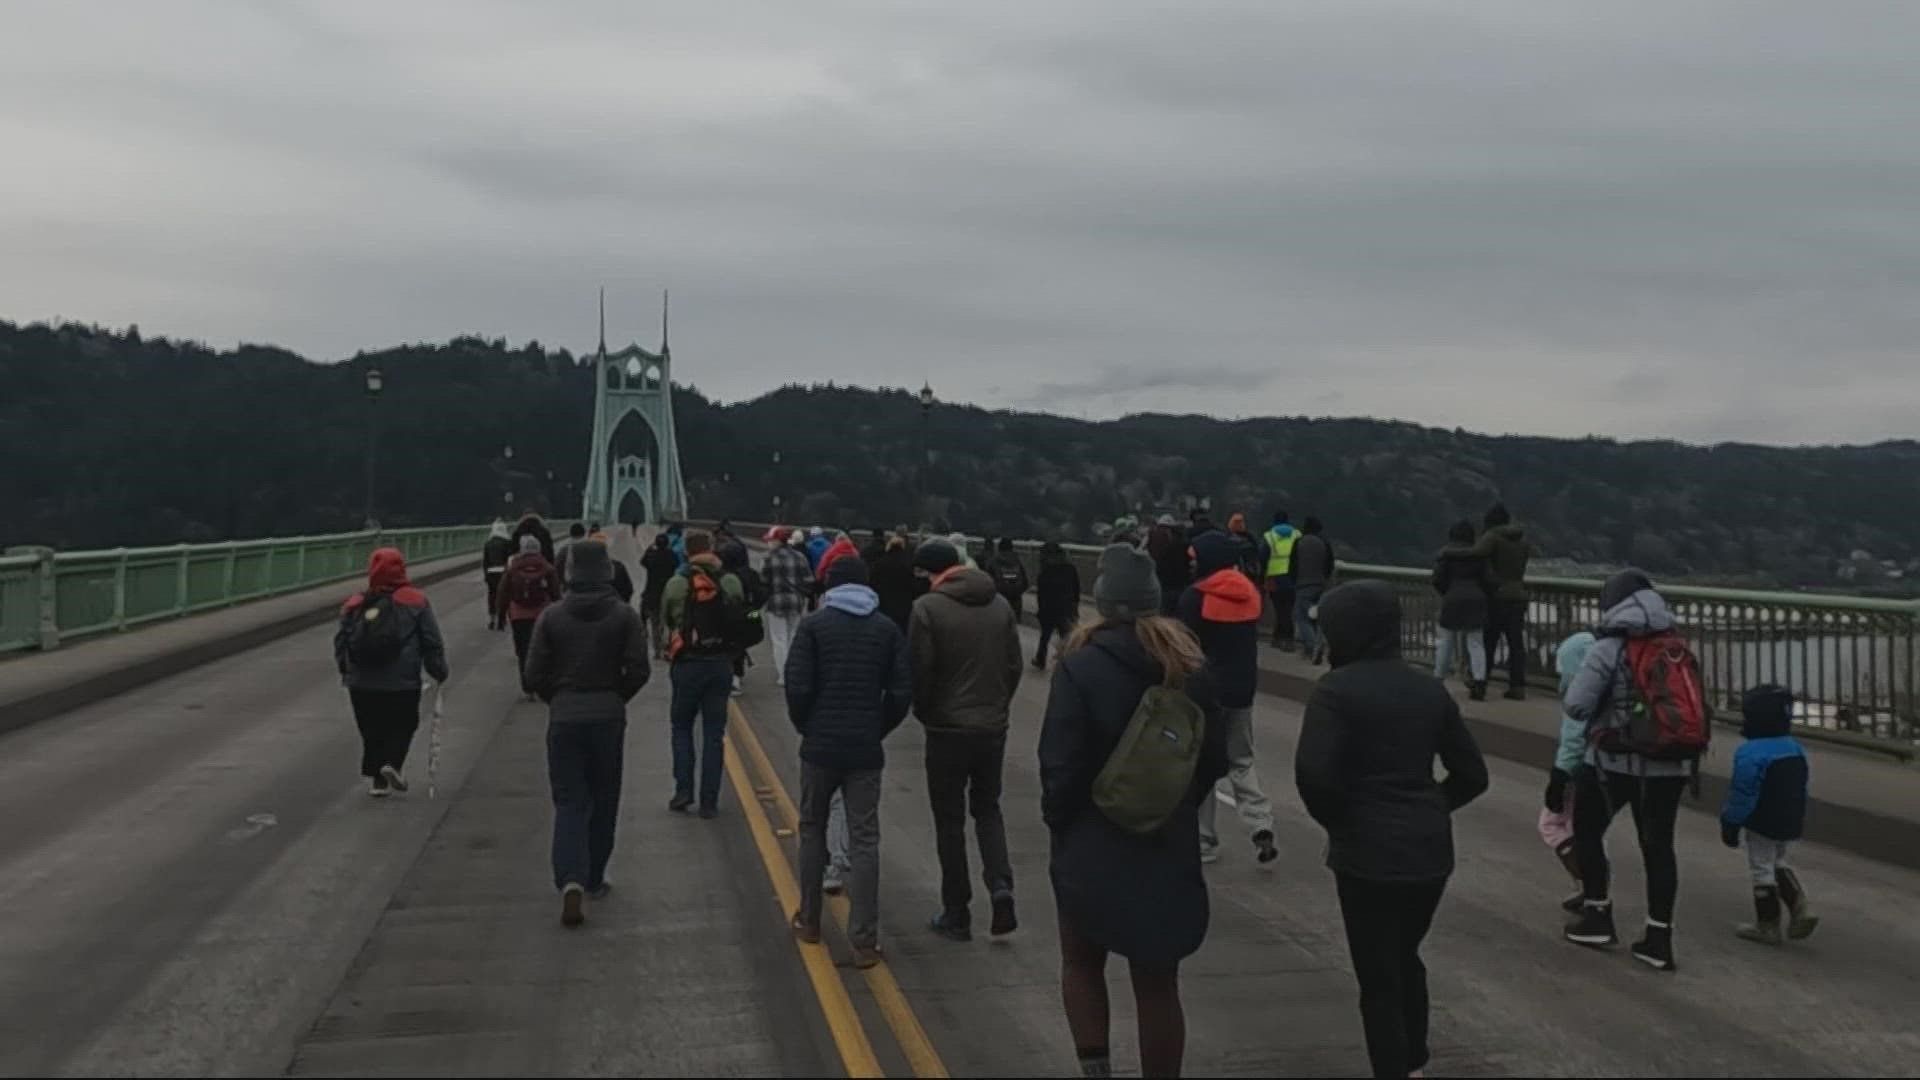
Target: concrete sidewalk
[(36, 685)]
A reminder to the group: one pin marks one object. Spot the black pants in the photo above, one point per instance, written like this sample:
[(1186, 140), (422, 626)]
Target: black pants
[(492, 580), (963, 769), (1508, 619), (387, 720), (1656, 804), (1282, 600), (1386, 922), (1052, 623), (584, 765), (522, 637)]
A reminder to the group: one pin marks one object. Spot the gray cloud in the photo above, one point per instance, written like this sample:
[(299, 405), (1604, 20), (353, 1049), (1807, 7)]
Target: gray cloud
[(1629, 219)]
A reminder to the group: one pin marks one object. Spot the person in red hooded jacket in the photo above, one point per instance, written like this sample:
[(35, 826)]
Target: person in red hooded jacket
[(529, 585), (841, 547), (387, 635)]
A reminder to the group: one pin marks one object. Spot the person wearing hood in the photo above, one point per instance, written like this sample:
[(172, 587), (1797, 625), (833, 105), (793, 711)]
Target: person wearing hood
[(1009, 575), (841, 547), (701, 673), (1504, 545), (892, 578), (1365, 769), (789, 583), (494, 557), (576, 532), (387, 636), (959, 542), (1222, 608), (660, 564), (1059, 598), (1602, 696), (1463, 582), (528, 586), (849, 684), (1141, 896), (622, 579), (734, 560), (587, 659), (1767, 799), (1172, 563), (1313, 570), (965, 648), (817, 544), (531, 525), (1279, 541), (1556, 813)]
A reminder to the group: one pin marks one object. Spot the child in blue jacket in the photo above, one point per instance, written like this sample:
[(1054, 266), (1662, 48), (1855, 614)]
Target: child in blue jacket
[(1767, 797)]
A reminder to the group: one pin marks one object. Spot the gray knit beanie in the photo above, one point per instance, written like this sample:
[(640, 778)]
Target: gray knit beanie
[(1127, 587)]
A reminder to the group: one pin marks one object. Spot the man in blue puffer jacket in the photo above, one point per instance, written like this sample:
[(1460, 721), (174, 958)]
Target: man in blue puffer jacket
[(849, 684), (1767, 796)]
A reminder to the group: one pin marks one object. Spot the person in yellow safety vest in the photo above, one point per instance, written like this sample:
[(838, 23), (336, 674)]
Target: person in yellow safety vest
[(1280, 540)]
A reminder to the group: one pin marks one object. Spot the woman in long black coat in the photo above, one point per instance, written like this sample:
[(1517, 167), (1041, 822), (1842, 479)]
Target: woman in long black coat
[(1140, 896)]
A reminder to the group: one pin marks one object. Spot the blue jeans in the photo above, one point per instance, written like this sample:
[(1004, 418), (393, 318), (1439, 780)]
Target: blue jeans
[(701, 688), (1304, 599), (584, 765), (1465, 645)]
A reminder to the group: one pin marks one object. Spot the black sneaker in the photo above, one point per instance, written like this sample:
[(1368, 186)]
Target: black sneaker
[(1594, 927), (600, 891), (573, 908), (1004, 922), (1515, 693), (1265, 850), (1655, 949), (950, 928), (679, 803), (1477, 691), (708, 813)]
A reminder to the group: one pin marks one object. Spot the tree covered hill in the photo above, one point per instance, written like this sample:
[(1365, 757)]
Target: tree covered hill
[(110, 438)]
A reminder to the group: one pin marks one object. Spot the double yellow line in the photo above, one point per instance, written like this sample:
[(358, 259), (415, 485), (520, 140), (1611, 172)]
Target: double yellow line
[(843, 1021)]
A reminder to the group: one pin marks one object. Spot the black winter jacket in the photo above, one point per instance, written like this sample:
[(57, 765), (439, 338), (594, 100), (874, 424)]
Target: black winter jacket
[(661, 564), (1222, 608), (849, 682), (1364, 764), (891, 576), (1140, 896), (1059, 590), (588, 655), (1464, 581)]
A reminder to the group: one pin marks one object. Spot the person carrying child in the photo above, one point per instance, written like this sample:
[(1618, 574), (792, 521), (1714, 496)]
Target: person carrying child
[(1767, 797)]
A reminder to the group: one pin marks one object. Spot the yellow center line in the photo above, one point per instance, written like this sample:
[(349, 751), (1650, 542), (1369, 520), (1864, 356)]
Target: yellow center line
[(849, 1036), (900, 1017)]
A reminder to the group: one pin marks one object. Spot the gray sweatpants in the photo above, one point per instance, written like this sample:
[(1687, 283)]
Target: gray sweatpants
[(862, 792), (1764, 856), (1256, 810)]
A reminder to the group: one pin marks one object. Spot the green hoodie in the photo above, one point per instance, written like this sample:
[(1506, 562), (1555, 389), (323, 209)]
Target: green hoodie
[(1506, 550)]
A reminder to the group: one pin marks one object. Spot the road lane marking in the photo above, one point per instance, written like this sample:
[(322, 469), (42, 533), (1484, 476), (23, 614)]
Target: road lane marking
[(849, 1036), (900, 1017)]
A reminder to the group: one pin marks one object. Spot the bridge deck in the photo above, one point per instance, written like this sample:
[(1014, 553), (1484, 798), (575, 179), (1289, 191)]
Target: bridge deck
[(157, 922)]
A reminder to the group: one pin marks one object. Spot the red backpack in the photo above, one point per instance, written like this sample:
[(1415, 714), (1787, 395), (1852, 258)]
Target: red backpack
[(530, 583), (1669, 720)]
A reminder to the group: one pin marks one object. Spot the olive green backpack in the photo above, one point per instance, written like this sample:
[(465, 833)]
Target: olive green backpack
[(1148, 774)]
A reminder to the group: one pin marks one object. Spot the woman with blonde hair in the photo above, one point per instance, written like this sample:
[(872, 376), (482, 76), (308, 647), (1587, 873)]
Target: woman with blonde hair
[(1142, 896)]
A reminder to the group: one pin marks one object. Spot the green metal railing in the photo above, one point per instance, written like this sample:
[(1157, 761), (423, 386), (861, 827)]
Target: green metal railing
[(1853, 662), (48, 596)]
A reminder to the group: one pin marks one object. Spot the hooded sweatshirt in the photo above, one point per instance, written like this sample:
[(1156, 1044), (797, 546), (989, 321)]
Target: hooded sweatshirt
[(390, 595), (1374, 726), (1222, 608), (588, 655), (848, 680), (1602, 694), (1572, 750), (966, 654)]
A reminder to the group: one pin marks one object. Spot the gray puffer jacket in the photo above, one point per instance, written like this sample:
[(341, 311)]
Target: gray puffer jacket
[(1602, 692), (588, 655)]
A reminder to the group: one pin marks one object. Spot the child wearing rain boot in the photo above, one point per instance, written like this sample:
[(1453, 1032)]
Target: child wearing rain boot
[(1767, 797)]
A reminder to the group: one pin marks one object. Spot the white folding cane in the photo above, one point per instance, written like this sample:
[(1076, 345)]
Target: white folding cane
[(433, 737)]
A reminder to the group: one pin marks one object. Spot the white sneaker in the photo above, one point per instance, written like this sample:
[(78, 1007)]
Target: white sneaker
[(376, 790), (737, 691), (394, 779), (1209, 854)]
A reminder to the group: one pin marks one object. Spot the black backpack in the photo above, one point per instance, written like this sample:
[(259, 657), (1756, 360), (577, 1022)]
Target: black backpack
[(717, 624), (376, 637)]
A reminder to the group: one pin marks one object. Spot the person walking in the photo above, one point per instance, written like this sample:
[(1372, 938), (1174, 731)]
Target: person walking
[(1280, 541), (1172, 565), (1251, 559), (892, 578), (576, 532), (1010, 576), (753, 589), (1463, 581), (1603, 696), (531, 525), (841, 547), (1222, 609), (1767, 799), (1141, 896), (1504, 545), (1556, 814), (387, 636), (587, 659), (696, 607), (495, 554), (817, 544), (1365, 770), (1313, 569), (965, 648), (1059, 598), (849, 684), (528, 586), (789, 582), (660, 564)]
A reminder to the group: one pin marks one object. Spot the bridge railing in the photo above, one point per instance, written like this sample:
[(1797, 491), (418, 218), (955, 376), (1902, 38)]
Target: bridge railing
[(48, 596), (1853, 662)]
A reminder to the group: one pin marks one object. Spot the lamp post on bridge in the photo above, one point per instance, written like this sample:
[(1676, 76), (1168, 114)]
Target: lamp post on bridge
[(926, 450), (776, 487), (375, 383)]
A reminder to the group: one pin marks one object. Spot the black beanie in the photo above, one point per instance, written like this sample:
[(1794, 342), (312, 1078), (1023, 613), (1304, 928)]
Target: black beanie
[(936, 556), (847, 570)]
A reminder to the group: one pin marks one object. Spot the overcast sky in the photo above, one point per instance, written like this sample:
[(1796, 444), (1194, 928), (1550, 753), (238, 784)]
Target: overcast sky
[(1698, 220)]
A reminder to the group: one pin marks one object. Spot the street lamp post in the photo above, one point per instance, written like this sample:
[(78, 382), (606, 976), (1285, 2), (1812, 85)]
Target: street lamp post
[(776, 487), (375, 383), (926, 451)]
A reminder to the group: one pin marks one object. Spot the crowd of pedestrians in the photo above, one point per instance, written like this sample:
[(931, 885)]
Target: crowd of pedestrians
[(1148, 726)]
